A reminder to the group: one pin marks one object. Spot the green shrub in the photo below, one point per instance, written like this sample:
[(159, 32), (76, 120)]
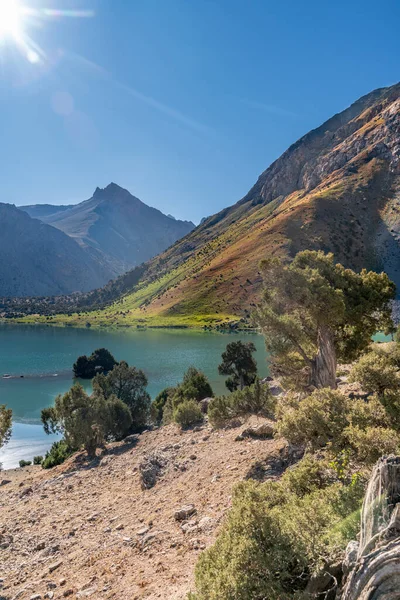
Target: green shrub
[(158, 404), (195, 386), (37, 460), (87, 421), (317, 420), (58, 453), (86, 367), (376, 373), (25, 463), (373, 442), (188, 413), (253, 400), (5, 424), (327, 418), (129, 385), (274, 539)]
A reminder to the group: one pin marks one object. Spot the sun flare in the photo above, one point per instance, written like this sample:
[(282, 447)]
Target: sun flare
[(11, 17), (18, 17)]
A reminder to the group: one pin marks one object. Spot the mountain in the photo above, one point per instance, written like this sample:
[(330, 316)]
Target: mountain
[(116, 229), (39, 260), (336, 189), (44, 211)]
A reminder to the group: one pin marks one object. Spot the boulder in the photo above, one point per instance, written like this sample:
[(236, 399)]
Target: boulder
[(263, 431), (183, 513)]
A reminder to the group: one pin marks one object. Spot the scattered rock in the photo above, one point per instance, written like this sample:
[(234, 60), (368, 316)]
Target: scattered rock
[(142, 531), (92, 517), (206, 524), (182, 514), (119, 527), (26, 491), (55, 566), (40, 546), (4, 482), (204, 404), (35, 597), (263, 431), (151, 468)]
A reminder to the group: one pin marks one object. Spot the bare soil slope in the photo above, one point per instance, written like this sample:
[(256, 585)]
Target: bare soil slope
[(89, 530)]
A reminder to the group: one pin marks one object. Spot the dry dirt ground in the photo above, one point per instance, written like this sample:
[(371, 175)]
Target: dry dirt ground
[(89, 530)]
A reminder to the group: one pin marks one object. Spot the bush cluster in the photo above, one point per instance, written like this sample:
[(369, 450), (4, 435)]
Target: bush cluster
[(188, 413), (253, 400), (58, 453), (101, 360), (194, 388), (278, 534)]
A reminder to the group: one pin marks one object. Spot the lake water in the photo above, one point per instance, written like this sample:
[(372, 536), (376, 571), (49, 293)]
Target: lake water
[(45, 355)]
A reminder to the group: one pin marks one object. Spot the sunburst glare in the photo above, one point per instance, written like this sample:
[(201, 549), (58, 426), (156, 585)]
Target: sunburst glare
[(17, 18)]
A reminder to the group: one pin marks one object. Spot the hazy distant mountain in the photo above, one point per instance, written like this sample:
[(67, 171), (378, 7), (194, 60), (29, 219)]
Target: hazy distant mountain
[(43, 211), (116, 229), (38, 260)]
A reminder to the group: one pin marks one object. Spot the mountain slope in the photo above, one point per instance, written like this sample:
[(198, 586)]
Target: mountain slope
[(44, 211), (38, 260), (117, 229), (336, 189)]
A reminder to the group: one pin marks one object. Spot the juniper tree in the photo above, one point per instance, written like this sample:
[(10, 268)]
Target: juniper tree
[(239, 364), (315, 312)]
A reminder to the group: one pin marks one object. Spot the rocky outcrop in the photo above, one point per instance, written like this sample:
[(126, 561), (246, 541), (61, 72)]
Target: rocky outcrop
[(373, 565)]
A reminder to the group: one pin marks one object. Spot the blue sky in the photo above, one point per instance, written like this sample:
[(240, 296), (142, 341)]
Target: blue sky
[(183, 102)]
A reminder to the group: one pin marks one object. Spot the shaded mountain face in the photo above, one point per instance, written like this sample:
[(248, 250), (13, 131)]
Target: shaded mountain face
[(336, 189), (115, 228), (38, 260), (44, 211)]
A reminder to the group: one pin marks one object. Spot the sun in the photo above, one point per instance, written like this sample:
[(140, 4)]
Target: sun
[(11, 17)]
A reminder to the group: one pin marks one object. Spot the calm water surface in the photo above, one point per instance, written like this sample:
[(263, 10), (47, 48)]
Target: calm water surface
[(45, 355)]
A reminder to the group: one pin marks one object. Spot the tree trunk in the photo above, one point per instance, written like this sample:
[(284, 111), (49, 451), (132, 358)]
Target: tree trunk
[(372, 567), (323, 366)]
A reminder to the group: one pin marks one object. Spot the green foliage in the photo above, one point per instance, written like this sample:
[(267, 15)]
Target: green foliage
[(253, 400), (100, 360), (317, 420), (373, 442), (188, 413), (377, 373), (25, 463), (129, 385), (195, 386), (239, 364), (87, 421), (346, 427), (5, 424), (278, 533), (313, 307), (118, 419), (37, 460), (157, 406), (58, 453)]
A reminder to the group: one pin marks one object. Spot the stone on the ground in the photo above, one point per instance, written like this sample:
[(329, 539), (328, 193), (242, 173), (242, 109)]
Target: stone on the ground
[(183, 513)]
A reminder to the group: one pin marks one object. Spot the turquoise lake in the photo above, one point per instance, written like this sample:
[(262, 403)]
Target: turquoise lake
[(44, 357)]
